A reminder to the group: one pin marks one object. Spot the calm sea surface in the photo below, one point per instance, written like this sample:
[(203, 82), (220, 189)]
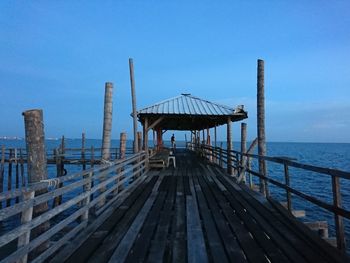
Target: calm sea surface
[(329, 155)]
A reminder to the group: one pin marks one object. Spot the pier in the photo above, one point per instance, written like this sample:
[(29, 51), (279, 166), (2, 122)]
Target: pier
[(201, 203)]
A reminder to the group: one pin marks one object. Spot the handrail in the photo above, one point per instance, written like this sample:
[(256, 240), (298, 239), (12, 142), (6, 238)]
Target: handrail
[(107, 179), (219, 154)]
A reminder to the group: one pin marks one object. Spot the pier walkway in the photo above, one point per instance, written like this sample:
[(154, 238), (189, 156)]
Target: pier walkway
[(196, 213)]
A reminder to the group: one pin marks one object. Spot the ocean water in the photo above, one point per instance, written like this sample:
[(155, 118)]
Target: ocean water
[(328, 155)]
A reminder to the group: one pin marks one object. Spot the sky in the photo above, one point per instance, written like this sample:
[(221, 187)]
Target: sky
[(57, 56)]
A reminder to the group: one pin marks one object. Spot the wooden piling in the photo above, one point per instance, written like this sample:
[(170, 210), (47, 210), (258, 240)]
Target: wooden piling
[(92, 164), (133, 98), (243, 149), (21, 161), (92, 157), (261, 125), (36, 161), (83, 150), (2, 169), (139, 141), (287, 181), (9, 177), (339, 223), (229, 147), (56, 153), (17, 174)]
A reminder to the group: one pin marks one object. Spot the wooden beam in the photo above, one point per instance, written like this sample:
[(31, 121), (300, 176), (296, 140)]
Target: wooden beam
[(155, 123)]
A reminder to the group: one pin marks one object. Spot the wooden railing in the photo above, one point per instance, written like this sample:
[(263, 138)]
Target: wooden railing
[(86, 195), (241, 163)]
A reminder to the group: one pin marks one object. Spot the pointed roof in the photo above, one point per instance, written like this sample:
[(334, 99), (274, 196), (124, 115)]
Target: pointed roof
[(187, 112)]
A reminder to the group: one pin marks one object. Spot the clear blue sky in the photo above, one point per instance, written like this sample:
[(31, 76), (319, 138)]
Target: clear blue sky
[(57, 55)]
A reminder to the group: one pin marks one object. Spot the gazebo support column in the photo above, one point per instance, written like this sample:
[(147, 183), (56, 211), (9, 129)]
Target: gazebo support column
[(159, 138), (145, 139)]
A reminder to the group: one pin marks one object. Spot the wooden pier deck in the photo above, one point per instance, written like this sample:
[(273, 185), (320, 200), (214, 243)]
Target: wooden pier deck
[(196, 213)]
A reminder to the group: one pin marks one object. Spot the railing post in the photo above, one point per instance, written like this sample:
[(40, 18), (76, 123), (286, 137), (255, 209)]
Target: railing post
[(339, 224), (237, 168), (86, 201), (25, 218), (287, 180), (243, 150), (220, 158), (83, 150)]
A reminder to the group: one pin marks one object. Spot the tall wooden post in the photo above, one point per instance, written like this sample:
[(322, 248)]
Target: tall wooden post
[(107, 122), (107, 130), (229, 146), (243, 148), (36, 165), (133, 97), (261, 125)]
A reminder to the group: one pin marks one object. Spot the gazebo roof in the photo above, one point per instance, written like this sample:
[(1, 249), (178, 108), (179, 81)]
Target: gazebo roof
[(187, 112)]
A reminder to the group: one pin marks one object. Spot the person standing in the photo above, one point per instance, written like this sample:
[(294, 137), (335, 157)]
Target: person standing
[(173, 144)]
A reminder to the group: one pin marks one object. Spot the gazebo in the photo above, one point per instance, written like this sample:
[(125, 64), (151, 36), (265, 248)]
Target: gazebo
[(188, 113)]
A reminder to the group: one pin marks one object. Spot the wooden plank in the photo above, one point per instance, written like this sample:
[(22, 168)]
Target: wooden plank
[(117, 223), (178, 247), (252, 251), (232, 247), (157, 248), (141, 246), (196, 250), (121, 252), (217, 250), (77, 243), (320, 245), (272, 251), (275, 228), (47, 253)]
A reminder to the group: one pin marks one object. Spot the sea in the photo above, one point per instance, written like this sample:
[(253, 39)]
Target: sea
[(328, 155)]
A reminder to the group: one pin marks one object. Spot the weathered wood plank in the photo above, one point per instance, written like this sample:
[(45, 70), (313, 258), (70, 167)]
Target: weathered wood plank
[(121, 253), (196, 250), (157, 248), (140, 247), (77, 243), (217, 250), (275, 228)]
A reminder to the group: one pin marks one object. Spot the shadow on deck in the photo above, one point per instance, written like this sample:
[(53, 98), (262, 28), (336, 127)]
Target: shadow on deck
[(195, 213)]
